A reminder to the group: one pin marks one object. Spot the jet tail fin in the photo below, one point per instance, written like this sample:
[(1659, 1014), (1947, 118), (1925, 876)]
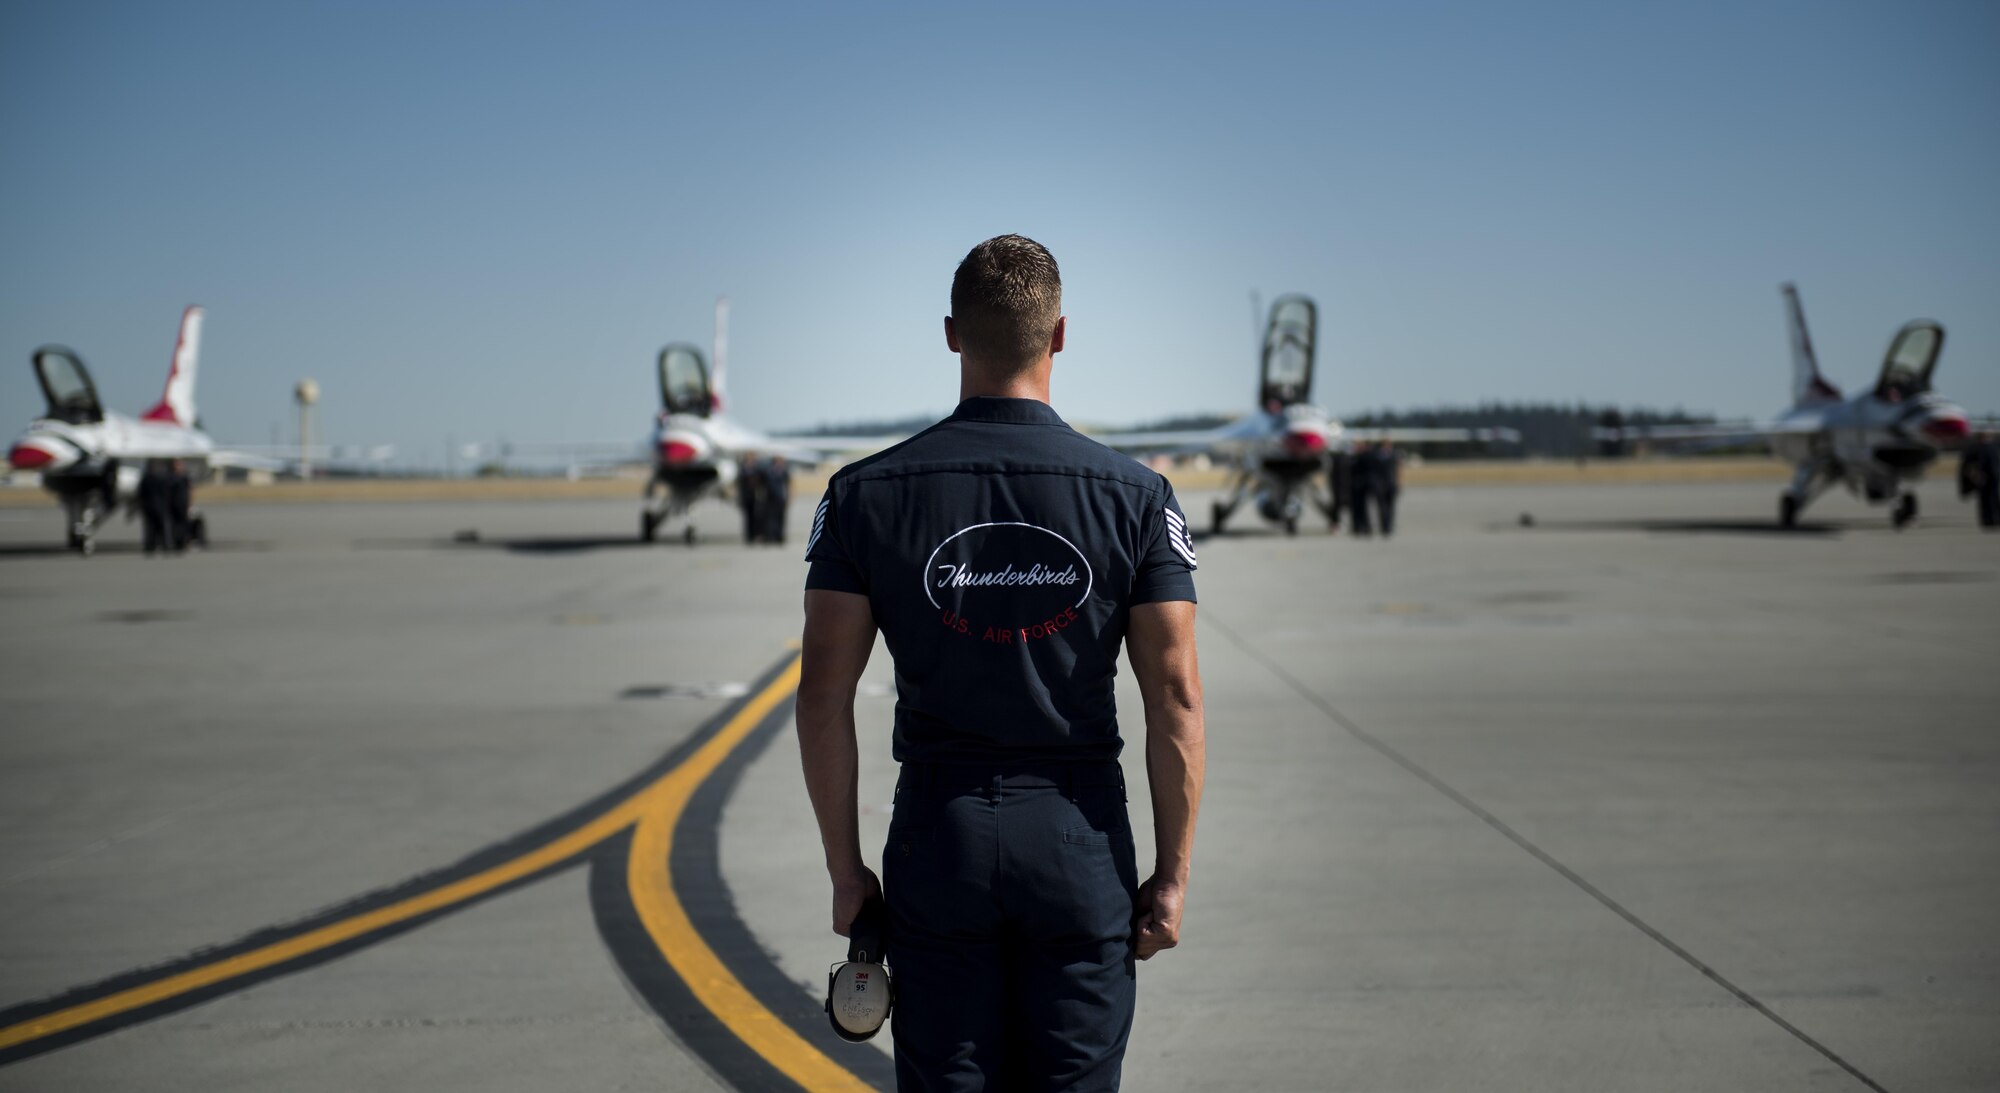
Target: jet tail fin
[(176, 405), (1808, 386), (718, 378)]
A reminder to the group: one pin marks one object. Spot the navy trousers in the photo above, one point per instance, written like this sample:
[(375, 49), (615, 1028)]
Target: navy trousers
[(1010, 900)]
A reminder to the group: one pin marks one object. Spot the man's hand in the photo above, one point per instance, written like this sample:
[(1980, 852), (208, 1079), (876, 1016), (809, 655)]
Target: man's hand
[(850, 892), (1157, 922)]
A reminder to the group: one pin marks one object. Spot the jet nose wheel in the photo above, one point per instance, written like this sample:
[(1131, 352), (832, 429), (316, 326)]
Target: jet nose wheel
[(688, 535), (1906, 511), (1788, 511), (648, 526)]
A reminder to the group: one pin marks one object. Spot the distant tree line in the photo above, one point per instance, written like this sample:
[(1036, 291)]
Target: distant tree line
[(1550, 429), (1547, 428)]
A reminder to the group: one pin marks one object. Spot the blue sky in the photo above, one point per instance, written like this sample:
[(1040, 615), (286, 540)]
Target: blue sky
[(483, 220)]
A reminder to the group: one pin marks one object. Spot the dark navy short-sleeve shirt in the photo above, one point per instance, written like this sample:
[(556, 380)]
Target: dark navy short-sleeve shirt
[(1001, 552)]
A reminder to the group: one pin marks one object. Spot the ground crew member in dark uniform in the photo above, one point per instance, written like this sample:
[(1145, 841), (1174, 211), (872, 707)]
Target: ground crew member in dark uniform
[(156, 507), (777, 495), (1361, 495), (1979, 475), (180, 506), (1006, 558), (1388, 484), (750, 497), (1338, 488)]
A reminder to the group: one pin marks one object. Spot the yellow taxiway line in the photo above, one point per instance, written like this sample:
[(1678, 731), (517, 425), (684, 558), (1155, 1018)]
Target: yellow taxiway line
[(333, 933), (656, 810), (649, 878)]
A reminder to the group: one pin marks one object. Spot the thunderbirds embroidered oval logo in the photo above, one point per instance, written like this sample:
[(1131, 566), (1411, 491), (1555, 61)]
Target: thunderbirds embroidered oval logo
[(1007, 583)]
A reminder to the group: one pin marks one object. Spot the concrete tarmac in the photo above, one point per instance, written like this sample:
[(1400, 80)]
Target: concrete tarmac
[(1644, 796)]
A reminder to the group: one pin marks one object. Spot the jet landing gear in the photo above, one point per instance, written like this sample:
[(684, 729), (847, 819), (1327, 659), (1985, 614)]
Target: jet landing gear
[(84, 520), (1905, 511), (649, 527), (1283, 510), (1807, 482)]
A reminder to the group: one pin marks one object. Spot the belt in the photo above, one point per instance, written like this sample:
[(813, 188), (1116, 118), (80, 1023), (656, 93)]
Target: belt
[(1014, 775)]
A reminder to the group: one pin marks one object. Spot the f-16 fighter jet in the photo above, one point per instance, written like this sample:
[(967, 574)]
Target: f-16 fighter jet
[(91, 458), (698, 450), (1876, 443), (1280, 452)]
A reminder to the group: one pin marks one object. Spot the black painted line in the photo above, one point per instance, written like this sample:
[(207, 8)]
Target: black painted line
[(662, 990), (705, 896)]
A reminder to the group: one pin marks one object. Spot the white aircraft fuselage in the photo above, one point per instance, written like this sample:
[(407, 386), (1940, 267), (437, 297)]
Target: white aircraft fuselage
[(91, 458), (694, 456), (1872, 446)]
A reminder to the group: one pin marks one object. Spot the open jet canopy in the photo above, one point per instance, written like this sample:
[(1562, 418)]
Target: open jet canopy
[(1286, 375), (684, 381), (1913, 353), (66, 384)]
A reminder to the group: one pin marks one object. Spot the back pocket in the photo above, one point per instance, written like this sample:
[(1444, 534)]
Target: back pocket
[(1091, 836)]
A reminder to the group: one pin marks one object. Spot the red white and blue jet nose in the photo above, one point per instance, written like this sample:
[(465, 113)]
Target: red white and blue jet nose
[(1946, 429), (34, 454), (680, 451), (1304, 443)]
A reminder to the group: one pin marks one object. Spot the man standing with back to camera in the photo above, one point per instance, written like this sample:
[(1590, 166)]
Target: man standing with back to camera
[(1005, 558)]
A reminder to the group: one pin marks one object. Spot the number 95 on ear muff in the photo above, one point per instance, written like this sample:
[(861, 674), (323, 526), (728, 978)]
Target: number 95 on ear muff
[(859, 992)]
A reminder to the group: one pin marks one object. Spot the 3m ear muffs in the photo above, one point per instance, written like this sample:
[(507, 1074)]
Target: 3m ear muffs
[(859, 992)]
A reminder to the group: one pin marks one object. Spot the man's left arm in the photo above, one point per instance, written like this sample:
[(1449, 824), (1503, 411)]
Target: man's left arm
[(839, 635)]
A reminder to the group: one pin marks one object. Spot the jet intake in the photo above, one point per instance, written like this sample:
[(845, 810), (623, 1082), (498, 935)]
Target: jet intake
[(1304, 444), (676, 453), (1945, 430), (29, 457)]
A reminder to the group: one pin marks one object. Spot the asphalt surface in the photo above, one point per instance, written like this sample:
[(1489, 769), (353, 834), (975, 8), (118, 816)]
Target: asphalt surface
[(1643, 796)]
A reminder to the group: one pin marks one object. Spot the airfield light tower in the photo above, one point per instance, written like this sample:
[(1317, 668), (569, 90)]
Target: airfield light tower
[(306, 394)]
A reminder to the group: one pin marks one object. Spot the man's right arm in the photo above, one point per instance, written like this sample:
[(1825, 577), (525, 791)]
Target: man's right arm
[(839, 635), (1159, 641)]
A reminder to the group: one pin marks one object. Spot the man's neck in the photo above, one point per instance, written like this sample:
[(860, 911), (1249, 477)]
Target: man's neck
[(1029, 383)]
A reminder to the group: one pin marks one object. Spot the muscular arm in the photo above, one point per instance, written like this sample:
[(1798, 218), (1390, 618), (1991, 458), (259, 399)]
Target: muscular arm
[(839, 635), (1160, 644)]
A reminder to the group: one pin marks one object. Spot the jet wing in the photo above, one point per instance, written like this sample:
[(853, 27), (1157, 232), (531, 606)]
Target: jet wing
[(1721, 433), (1690, 439), (1434, 436), (240, 459), (1231, 435), (811, 451)]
